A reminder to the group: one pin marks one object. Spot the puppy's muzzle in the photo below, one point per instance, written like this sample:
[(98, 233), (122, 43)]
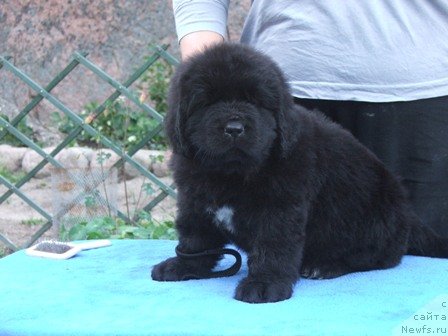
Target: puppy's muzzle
[(234, 128)]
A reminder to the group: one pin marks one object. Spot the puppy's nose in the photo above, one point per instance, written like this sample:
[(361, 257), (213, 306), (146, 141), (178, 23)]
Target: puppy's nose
[(234, 128)]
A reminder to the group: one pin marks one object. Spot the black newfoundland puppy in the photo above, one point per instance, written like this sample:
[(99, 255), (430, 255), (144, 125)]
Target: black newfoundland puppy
[(295, 191)]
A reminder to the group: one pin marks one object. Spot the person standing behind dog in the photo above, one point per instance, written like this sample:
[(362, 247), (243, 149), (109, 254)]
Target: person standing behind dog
[(379, 68)]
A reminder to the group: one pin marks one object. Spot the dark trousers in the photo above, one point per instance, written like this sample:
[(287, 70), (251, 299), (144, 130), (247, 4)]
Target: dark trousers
[(411, 138)]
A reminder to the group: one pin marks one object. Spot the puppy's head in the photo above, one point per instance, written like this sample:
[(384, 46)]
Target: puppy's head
[(229, 109)]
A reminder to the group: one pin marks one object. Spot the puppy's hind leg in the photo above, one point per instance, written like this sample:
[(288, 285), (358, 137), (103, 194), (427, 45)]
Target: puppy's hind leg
[(354, 261), (324, 272)]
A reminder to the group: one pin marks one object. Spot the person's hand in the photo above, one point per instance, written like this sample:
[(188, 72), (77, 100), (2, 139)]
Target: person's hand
[(197, 42)]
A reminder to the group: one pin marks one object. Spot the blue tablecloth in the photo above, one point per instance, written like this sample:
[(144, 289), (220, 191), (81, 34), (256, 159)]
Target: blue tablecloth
[(109, 291)]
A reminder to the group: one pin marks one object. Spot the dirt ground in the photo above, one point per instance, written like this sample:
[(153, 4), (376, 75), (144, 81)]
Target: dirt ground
[(19, 221)]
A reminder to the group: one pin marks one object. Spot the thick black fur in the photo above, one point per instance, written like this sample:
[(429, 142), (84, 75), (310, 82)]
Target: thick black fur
[(306, 198)]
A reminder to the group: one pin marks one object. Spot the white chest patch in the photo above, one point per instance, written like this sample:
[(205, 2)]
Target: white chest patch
[(224, 218)]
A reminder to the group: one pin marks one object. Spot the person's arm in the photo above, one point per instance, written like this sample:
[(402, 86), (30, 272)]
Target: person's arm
[(197, 42), (199, 24)]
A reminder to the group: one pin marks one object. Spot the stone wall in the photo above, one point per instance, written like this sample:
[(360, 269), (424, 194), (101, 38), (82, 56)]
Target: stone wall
[(25, 160), (42, 35)]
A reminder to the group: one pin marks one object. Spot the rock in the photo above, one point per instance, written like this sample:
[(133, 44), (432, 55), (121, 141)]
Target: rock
[(103, 158), (8, 109), (153, 160), (144, 157), (42, 36), (70, 158), (160, 167), (11, 157), (31, 159), (75, 157)]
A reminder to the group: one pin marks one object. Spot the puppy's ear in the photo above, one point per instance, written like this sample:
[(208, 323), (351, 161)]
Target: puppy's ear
[(277, 97), (176, 117), (288, 125)]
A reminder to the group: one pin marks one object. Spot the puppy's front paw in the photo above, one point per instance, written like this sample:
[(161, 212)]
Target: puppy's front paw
[(172, 269), (256, 291)]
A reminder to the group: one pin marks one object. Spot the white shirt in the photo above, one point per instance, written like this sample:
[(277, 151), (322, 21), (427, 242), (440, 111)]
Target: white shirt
[(364, 50)]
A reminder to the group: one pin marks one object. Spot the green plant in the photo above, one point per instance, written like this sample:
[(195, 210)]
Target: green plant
[(118, 123), (121, 122), (11, 176), (155, 81), (33, 221), (125, 124), (114, 228), (4, 251), (22, 127)]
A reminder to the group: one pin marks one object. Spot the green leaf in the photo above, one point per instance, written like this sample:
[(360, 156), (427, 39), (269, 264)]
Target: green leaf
[(77, 232), (148, 189)]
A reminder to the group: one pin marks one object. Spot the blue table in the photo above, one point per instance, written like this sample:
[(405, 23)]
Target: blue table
[(109, 291)]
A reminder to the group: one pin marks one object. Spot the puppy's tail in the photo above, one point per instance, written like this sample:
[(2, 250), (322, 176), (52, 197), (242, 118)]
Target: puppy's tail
[(423, 241)]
